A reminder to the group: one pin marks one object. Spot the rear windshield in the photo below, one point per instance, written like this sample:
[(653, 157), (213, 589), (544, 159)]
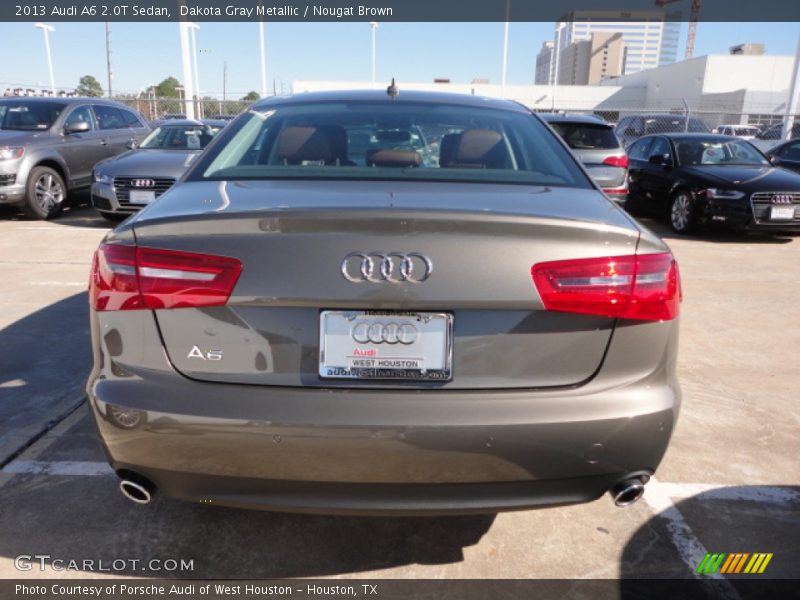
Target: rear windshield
[(388, 140), (583, 136), (29, 116)]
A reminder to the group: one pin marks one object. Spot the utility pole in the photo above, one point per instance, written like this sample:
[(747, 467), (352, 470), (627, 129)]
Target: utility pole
[(108, 58), (374, 26), (794, 97), (505, 53), (186, 61), (193, 39), (46, 30)]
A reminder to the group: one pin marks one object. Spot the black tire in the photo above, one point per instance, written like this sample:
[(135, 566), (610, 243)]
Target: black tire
[(682, 213), (634, 205), (45, 194), (113, 217)]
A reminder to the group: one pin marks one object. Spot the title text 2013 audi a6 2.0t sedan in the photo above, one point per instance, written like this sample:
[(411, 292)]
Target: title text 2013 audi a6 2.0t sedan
[(369, 302)]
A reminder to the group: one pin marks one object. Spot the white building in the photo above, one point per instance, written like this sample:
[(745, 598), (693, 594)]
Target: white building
[(651, 40)]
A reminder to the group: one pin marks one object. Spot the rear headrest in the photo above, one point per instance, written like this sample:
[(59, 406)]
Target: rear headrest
[(296, 144), (447, 149), (393, 158), (480, 148)]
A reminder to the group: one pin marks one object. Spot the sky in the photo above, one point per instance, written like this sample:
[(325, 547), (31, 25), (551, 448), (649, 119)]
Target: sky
[(145, 53)]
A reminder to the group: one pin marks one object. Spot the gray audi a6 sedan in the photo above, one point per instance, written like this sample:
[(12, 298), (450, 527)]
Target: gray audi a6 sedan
[(316, 320), (124, 184)]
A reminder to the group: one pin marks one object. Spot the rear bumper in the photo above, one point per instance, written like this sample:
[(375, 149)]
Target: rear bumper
[(367, 452)]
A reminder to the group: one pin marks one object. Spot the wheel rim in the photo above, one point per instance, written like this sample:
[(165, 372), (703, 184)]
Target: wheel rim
[(126, 418), (49, 192), (681, 212)]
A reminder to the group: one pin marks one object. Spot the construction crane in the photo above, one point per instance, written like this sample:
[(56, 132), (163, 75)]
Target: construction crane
[(694, 15)]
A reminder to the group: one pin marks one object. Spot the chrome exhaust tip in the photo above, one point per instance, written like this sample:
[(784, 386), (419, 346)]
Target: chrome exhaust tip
[(138, 490), (627, 492)]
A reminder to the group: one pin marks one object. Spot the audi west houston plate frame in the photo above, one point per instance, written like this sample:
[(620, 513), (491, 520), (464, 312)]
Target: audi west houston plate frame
[(386, 345)]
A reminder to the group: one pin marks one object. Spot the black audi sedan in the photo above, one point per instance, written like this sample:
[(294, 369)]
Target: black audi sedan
[(697, 179)]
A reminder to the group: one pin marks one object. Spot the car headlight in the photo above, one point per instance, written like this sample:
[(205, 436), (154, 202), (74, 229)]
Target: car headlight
[(100, 178), (11, 152), (719, 193)]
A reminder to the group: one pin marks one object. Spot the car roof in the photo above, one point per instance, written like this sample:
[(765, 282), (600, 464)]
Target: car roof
[(584, 119), (179, 122), (693, 136), (56, 100), (403, 97)]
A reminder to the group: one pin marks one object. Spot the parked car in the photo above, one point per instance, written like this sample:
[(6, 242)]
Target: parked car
[(215, 124), (745, 132), (786, 155), (594, 143), (695, 179), (124, 184), (48, 147), (633, 127), (771, 137), (487, 332)]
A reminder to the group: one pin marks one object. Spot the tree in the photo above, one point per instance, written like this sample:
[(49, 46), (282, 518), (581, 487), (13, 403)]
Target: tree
[(251, 97), (166, 89), (89, 86)]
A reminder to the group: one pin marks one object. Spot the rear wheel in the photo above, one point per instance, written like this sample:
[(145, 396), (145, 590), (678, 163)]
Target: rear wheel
[(682, 213), (45, 195)]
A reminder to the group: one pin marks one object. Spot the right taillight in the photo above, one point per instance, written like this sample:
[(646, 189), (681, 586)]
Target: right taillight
[(132, 278), (640, 287), (617, 161)]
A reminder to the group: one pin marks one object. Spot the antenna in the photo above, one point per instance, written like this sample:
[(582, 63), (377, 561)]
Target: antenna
[(392, 90)]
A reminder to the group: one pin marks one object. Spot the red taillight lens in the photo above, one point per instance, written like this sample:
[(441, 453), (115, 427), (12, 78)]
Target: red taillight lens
[(644, 287), (617, 161), (129, 278)]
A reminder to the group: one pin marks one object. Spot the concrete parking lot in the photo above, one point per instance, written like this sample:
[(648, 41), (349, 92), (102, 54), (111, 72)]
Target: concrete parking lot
[(730, 481)]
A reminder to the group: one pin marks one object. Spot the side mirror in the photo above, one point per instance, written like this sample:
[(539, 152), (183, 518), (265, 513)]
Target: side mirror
[(774, 160), (132, 144), (630, 131), (77, 127), (661, 159)]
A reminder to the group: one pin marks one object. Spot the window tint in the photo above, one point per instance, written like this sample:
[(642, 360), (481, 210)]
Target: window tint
[(386, 140), (582, 136), (82, 114), (660, 147), (29, 116), (640, 150), (129, 119), (791, 151), (109, 117)]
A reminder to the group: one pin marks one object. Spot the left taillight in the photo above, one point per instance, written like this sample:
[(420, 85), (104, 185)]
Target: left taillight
[(134, 278), (639, 287), (617, 161)]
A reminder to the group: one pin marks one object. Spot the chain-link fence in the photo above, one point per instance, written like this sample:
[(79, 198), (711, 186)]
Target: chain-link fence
[(155, 108)]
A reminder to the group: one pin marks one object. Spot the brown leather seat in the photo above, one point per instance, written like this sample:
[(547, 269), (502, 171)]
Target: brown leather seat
[(325, 143), (480, 149), (447, 149), (388, 157)]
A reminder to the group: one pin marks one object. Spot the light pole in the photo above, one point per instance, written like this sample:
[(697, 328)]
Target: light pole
[(374, 26), (194, 28), (505, 53), (47, 29), (263, 58)]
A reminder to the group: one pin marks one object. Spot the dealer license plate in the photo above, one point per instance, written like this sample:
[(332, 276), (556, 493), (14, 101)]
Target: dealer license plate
[(385, 345), (141, 197), (781, 213)]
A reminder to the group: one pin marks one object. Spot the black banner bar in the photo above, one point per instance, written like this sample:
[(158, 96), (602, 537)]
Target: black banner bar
[(394, 589), (390, 10)]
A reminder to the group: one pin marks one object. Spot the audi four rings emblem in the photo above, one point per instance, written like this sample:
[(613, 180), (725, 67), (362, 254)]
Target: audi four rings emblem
[(365, 332), (391, 267), (143, 183), (782, 199)]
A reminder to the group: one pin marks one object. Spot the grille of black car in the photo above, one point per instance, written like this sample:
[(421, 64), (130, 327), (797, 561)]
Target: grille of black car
[(762, 203), (124, 185), (8, 179)]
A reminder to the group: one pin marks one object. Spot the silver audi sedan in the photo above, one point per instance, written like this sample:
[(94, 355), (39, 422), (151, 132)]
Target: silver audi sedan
[(384, 302)]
